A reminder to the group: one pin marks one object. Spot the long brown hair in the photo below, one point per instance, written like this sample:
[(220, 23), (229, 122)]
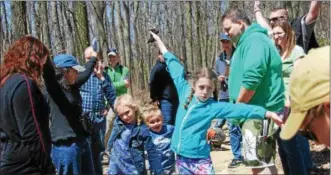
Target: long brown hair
[(26, 55), (291, 42), (202, 73)]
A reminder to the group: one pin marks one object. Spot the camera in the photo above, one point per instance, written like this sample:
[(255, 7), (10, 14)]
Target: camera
[(151, 39)]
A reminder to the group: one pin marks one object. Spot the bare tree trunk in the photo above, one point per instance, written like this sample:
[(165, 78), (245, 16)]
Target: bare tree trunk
[(127, 40), (99, 10), (81, 27), (57, 44), (37, 19), (198, 60), (28, 7), (183, 33), (6, 33), (41, 23), (19, 22), (120, 36), (114, 30), (189, 37), (68, 31), (139, 58)]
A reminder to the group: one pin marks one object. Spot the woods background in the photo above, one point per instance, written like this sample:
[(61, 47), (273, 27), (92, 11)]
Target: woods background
[(189, 29)]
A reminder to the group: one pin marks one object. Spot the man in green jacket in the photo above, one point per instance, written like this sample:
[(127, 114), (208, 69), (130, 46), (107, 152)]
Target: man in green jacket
[(255, 78), (119, 76), (118, 73)]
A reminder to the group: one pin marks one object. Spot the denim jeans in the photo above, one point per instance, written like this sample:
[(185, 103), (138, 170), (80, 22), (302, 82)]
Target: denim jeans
[(294, 155), (168, 111), (235, 140), (73, 159), (97, 144)]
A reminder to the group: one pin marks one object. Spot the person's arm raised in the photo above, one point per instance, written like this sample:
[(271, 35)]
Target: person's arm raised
[(314, 10), (176, 69), (260, 18)]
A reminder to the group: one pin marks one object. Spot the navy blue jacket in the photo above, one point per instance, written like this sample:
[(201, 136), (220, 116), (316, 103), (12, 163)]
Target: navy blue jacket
[(161, 84)]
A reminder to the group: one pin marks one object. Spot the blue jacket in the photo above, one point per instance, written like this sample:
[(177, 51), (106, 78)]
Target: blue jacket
[(189, 138), (140, 140)]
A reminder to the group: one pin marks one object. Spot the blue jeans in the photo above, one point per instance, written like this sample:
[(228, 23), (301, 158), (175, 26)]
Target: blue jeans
[(294, 155), (97, 144), (235, 140), (168, 111), (73, 159)]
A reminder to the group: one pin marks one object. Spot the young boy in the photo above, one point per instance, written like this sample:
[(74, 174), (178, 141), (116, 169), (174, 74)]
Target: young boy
[(161, 135)]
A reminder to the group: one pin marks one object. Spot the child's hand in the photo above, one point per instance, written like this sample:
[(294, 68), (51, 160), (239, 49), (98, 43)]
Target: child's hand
[(155, 36), (278, 120)]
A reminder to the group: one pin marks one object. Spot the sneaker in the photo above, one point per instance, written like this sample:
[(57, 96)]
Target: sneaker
[(235, 163)]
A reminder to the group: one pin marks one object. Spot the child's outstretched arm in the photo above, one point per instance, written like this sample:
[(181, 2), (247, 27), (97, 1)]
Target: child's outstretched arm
[(176, 69), (245, 111)]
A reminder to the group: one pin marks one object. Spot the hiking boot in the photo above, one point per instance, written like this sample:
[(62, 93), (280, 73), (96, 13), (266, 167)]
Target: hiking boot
[(235, 163)]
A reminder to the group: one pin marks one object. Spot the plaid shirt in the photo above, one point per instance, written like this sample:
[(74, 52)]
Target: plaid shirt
[(95, 93)]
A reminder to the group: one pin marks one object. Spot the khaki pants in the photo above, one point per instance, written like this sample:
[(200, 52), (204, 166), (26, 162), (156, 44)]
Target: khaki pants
[(109, 126)]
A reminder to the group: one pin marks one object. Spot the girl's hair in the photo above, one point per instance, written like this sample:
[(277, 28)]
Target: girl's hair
[(127, 100), (291, 42), (26, 55), (149, 111), (202, 73)]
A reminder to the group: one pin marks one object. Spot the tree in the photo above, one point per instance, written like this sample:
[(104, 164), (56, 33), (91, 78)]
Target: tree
[(18, 17), (80, 27), (120, 37), (57, 44)]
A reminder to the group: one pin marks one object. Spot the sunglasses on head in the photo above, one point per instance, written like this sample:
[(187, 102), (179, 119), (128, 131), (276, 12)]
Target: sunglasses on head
[(276, 18)]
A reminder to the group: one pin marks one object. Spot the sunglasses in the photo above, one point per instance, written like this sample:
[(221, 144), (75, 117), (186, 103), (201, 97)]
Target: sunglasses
[(225, 41), (276, 18)]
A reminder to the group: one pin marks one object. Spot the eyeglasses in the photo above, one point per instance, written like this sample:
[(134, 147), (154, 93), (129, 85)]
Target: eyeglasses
[(274, 19), (278, 33)]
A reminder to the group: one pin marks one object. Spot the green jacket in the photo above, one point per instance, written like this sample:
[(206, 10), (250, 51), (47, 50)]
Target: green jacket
[(117, 76), (256, 65)]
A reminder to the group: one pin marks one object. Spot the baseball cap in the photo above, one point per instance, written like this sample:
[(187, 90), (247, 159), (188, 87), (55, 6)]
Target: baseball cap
[(65, 60), (309, 87), (112, 52), (224, 36)]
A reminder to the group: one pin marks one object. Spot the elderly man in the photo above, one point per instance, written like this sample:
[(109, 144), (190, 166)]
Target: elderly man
[(95, 92)]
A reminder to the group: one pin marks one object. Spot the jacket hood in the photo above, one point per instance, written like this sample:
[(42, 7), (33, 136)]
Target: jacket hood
[(253, 28)]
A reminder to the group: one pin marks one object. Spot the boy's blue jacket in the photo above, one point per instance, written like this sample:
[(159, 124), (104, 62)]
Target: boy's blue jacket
[(141, 140), (189, 138)]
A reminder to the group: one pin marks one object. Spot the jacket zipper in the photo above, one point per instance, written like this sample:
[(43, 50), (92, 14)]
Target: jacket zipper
[(181, 125)]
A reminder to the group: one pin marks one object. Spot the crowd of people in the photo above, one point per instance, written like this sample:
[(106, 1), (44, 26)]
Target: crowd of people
[(58, 117)]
